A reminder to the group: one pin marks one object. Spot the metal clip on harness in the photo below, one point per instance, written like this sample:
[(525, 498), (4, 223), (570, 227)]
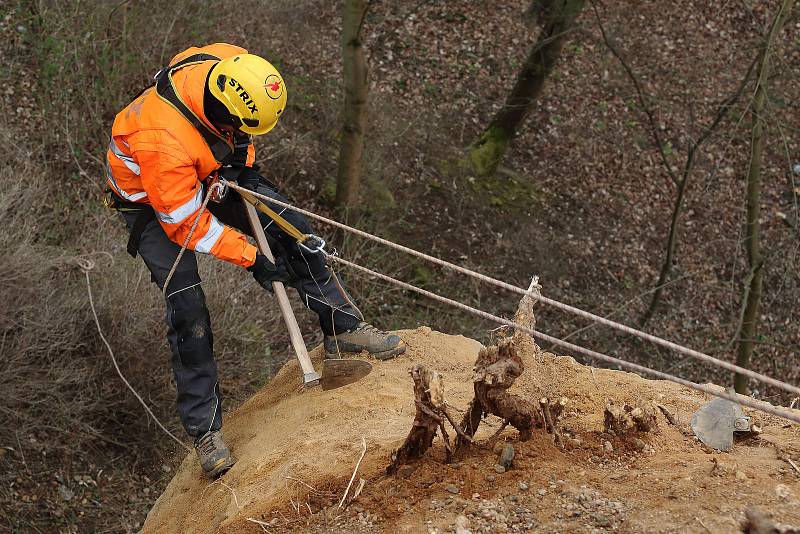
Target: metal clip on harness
[(313, 244), (310, 243)]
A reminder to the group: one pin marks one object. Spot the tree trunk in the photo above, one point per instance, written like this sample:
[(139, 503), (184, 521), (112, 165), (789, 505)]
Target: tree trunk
[(669, 257), (355, 104), (754, 283), (488, 150)]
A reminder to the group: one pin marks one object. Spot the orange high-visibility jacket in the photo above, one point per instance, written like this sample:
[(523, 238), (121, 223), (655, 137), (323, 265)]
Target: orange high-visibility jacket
[(157, 157)]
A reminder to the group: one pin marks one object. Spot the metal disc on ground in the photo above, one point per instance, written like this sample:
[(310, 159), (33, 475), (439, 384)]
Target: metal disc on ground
[(716, 421)]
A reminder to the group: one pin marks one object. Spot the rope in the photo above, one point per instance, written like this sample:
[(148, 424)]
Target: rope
[(565, 307), (87, 265), (741, 399), (215, 185)]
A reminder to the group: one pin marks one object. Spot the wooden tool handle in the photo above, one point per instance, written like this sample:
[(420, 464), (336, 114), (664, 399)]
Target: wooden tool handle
[(283, 300)]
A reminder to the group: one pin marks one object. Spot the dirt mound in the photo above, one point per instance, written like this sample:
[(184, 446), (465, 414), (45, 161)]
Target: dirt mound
[(297, 450)]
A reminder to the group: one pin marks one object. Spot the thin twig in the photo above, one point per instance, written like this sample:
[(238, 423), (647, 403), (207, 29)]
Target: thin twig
[(260, 523), (235, 498), (358, 490), (456, 427), (447, 448), (499, 430), (347, 489), (794, 465), (312, 488), (19, 444)]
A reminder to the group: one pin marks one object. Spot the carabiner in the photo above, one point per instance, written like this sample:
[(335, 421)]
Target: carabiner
[(317, 244)]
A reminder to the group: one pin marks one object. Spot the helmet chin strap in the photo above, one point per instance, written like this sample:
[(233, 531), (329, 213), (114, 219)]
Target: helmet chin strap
[(216, 112)]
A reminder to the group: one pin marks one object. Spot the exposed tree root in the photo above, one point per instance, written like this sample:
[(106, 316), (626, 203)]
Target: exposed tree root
[(429, 399), (551, 411), (496, 369), (626, 419)]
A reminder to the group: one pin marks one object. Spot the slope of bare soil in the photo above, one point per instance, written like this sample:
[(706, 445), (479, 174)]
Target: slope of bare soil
[(297, 450)]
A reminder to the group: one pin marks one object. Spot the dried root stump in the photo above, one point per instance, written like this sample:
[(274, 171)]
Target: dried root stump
[(626, 419), (429, 400), (496, 369)]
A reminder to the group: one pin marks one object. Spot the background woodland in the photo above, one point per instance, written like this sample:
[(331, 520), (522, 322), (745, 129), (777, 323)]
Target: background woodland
[(628, 184)]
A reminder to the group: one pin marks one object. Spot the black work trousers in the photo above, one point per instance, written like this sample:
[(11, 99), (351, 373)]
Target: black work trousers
[(188, 321)]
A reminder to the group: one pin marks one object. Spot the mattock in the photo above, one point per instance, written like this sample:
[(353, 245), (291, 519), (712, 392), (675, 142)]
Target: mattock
[(336, 372)]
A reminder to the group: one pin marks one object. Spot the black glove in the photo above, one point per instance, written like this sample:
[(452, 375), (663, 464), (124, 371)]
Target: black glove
[(265, 272)]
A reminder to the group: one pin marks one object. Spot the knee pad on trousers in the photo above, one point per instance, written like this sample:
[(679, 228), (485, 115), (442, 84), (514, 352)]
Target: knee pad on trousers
[(190, 333)]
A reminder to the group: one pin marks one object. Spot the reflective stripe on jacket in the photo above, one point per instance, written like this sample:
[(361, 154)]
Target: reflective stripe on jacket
[(156, 156)]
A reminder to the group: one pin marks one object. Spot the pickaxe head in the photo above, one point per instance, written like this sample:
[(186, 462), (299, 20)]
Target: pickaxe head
[(338, 372)]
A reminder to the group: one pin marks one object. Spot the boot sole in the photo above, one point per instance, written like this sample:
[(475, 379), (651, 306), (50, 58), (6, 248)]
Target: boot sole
[(222, 467), (382, 356)]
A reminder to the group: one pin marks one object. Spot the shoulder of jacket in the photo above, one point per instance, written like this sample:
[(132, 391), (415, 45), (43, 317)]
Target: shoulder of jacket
[(221, 50), (162, 140)]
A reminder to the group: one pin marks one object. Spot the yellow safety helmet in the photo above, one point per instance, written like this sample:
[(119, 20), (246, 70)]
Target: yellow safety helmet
[(251, 89)]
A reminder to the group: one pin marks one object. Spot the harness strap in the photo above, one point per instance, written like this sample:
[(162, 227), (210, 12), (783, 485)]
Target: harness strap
[(146, 214), (282, 223), (165, 88)]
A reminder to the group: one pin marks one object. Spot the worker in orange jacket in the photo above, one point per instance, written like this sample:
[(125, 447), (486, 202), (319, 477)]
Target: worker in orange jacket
[(195, 123)]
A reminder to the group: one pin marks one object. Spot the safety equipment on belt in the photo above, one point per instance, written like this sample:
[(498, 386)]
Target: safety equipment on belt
[(265, 272), (251, 89), (146, 213)]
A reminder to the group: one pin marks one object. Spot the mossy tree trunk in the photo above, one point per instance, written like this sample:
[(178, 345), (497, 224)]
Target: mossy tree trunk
[(558, 18), (753, 286), (356, 74)]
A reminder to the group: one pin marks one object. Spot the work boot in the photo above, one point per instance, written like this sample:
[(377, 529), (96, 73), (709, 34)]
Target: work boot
[(215, 457), (382, 345)]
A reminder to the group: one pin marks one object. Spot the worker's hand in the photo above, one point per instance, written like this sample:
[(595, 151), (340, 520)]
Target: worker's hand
[(265, 272)]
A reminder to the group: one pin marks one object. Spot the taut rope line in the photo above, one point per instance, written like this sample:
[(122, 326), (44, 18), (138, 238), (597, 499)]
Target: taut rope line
[(571, 309), (741, 399)]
